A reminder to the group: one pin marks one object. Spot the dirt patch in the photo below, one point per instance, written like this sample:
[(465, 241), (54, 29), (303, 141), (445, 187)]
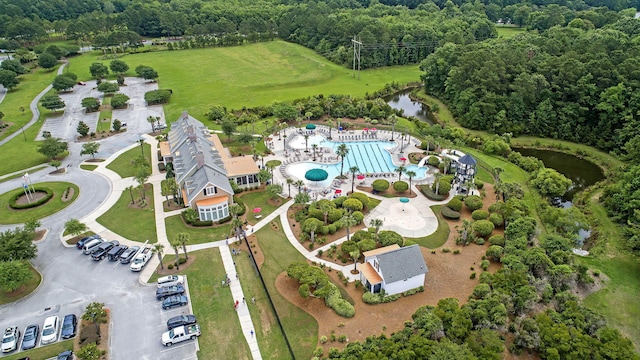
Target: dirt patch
[(171, 260), (171, 205), (35, 196), (94, 160), (68, 194), (39, 235), (100, 135), (58, 171)]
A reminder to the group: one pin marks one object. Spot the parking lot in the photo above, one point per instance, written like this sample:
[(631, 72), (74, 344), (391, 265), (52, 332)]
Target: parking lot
[(72, 280)]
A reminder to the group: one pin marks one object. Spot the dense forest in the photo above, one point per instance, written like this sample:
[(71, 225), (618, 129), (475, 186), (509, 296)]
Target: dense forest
[(398, 33)]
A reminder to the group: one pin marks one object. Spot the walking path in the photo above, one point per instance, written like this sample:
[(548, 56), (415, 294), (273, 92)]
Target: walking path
[(34, 109)]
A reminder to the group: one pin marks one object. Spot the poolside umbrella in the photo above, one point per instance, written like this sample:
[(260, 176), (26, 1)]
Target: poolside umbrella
[(316, 175), (338, 191), (360, 177), (310, 126), (404, 200), (403, 159), (257, 210), (373, 129), (365, 129)]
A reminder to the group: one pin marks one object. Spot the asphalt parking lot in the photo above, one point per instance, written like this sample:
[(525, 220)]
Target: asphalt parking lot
[(72, 280)]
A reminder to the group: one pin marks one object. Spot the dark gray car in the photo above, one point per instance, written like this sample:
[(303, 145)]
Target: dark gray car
[(167, 291), (126, 256), (180, 320), (30, 338)]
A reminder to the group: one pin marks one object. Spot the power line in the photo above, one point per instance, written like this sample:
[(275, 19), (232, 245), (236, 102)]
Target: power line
[(357, 45)]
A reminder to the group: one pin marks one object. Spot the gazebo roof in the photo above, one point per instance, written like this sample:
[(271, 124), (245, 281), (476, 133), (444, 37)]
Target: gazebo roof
[(467, 160)]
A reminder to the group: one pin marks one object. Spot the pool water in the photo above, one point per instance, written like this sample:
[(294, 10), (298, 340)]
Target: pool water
[(368, 156)]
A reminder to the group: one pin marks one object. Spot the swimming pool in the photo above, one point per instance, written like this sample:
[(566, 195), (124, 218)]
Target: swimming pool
[(368, 156)]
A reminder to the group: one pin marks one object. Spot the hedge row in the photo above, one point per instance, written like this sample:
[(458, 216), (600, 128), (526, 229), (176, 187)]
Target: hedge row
[(39, 202), (431, 195), (449, 213)]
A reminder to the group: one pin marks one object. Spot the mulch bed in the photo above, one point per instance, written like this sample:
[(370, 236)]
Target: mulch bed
[(172, 260), (39, 235), (58, 171), (104, 335)]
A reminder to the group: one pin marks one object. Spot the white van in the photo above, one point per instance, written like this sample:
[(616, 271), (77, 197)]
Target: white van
[(170, 280), (91, 245)]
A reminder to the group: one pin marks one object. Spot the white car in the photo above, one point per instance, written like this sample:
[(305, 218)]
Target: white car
[(170, 280), (10, 339), (50, 330)]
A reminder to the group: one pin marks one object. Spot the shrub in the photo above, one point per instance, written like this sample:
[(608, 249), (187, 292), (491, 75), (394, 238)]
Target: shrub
[(367, 244), (339, 200), (316, 213), (352, 204), (335, 215), (332, 229), (496, 240), (348, 247), (433, 161), (371, 298), (358, 216), (479, 184), (449, 214), (444, 187), (364, 199), (388, 237), (473, 202), (162, 167), (496, 207), (496, 219), (456, 251), (480, 215), (480, 241), (319, 351), (156, 97), (427, 191), (400, 186), (472, 276), (324, 230), (342, 338), (455, 204), (119, 101), (170, 266), (380, 185), (225, 219), (323, 339), (446, 250), (13, 205), (485, 264), (483, 227)]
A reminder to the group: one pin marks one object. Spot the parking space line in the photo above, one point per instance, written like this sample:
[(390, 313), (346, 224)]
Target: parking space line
[(169, 348)]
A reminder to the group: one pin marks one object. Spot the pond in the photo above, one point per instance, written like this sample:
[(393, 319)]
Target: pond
[(582, 173), (402, 101)]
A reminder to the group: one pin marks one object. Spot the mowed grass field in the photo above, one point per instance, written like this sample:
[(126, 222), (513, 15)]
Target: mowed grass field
[(509, 31), (249, 75)]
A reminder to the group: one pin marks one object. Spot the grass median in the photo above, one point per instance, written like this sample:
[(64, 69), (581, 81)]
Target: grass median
[(197, 235), (123, 164), (130, 221), (26, 289), (439, 237), (42, 352), (55, 204)]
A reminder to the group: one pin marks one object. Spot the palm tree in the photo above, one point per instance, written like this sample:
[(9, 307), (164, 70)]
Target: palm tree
[(348, 220), (354, 170), (393, 120), (400, 169), (306, 143), (175, 244), (289, 183), (330, 123), (377, 223), (446, 164), (342, 151), (496, 173), (236, 224), (410, 174), (184, 239), (308, 115), (299, 184), (315, 148), (355, 255), (159, 249), (270, 167), (437, 176), (130, 188)]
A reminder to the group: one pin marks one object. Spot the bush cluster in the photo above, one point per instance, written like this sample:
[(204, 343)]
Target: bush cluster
[(449, 213), (455, 204), (480, 215), (427, 191), (39, 202)]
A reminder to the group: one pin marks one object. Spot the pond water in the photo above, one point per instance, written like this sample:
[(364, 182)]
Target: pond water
[(402, 101), (582, 173)]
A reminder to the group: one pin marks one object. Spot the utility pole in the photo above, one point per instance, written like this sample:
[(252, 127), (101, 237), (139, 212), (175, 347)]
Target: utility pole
[(357, 45)]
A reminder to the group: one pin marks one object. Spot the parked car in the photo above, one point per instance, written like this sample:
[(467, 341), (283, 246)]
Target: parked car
[(50, 330), (170, 280), (30, 337), (174, 301), (116, 251), (84, 240), (126, 256), (10, 339), (181, 320), (66, 355), (69, 324), (90, 245), (160, 127), (166, 291), (101, 251)]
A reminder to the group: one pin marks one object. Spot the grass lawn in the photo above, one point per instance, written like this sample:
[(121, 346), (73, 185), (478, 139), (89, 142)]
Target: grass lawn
[(301, 328), (132, 223), (197, 235), (509, 31), (55, 204), (43, 352), (15, 176), (19, 154), (31, 285), (439, 237), (123, 163), (618, 301), (256, 199), (249, 75), (88, 167)]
